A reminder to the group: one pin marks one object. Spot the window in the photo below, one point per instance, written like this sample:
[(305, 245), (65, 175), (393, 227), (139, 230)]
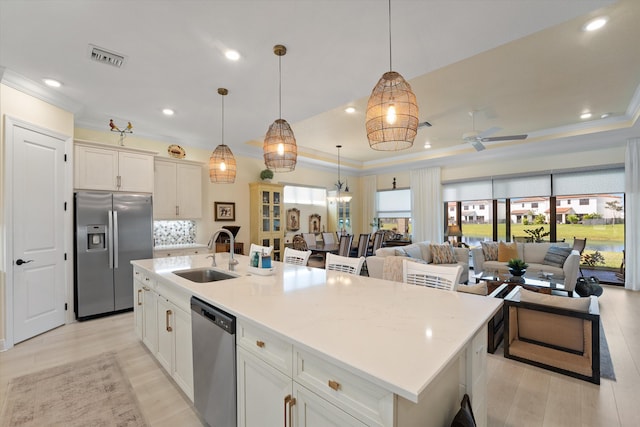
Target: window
[(305, 195), (534, 205), (583, 202), (394, 210)]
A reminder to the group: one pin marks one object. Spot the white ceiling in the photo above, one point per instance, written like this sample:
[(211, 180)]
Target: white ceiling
[(526, 66)]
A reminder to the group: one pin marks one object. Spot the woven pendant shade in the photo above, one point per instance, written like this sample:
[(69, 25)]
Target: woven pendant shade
[(218, 173), (222, 164), (280, 149), (392, 132)]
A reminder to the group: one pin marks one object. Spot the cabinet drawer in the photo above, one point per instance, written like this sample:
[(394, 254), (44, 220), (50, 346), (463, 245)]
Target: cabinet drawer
[(266, 346), (143, 277), (366, 401)]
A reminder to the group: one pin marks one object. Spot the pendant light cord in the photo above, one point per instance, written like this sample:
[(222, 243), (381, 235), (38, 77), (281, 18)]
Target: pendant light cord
[(280, 87), (222, 120), (390, 66)]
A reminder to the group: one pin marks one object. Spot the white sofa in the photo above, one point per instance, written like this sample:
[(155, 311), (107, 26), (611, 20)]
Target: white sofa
[(420, 251), (534, 255)]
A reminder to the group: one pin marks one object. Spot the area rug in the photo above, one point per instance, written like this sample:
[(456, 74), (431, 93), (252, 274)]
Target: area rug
[(89, 392), (606, 365)]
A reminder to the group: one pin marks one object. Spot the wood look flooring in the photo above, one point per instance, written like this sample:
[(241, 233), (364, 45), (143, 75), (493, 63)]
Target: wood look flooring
[(518, 394)]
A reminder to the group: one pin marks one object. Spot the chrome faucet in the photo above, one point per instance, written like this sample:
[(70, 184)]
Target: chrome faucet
[(212, 245)]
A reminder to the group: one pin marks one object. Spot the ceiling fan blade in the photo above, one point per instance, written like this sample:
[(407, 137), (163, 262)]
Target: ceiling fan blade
[(477, 145), (488, 132), (504, 138)]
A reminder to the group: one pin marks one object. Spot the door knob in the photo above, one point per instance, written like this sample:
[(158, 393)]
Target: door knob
[(21, 261)]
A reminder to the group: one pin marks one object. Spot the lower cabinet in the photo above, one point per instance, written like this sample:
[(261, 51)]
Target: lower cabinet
[(268, 393), (164, 326)]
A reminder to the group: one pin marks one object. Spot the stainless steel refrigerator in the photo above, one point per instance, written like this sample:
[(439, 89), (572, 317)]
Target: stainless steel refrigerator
[(111, 229)]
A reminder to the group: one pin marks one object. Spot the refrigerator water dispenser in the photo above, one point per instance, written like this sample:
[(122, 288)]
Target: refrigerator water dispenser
[(96, 237)]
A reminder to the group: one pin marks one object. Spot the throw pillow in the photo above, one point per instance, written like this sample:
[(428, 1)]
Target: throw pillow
[(490, 250), (556, 256), (400, 252), (477, 289), (442, 254), (464, 417), (507, 251), (413, 251)]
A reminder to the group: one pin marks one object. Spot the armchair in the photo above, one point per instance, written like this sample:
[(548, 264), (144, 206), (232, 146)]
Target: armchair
[(553, 332)]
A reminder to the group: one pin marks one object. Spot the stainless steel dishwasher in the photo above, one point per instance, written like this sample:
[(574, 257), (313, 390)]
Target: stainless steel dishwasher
[(214, 364)]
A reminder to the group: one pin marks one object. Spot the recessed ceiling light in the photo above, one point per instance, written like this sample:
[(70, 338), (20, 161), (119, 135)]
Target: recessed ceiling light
[(167, 111), (350, 110), (595, 24), (427, 145), (605, 115), (232, 55), (585, 115), (52, 83)]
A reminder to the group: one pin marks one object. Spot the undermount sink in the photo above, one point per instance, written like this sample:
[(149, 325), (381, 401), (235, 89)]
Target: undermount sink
[(203, 275)]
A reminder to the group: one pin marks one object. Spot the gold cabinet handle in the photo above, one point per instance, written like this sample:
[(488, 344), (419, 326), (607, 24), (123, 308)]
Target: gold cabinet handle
[(169, 328), (335, 385), (292, 402), (260, 344), (146, 288), (139, 292)]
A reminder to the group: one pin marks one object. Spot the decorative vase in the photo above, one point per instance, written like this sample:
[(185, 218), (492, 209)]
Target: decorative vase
[(516, 275)]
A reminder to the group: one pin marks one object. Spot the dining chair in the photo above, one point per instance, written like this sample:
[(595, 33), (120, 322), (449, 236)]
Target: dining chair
[(344, 264), (329, 238), (361, 247), (310, 238), (433, 276), (345, 245), (378, 238), (260, 249), (292, 256), (299, 243)]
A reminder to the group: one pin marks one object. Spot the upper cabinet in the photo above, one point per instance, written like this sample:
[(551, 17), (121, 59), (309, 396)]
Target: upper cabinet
[(177, 190), (111, 168)]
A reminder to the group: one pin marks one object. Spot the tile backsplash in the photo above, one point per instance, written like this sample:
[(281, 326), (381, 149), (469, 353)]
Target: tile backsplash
[(174, 232)]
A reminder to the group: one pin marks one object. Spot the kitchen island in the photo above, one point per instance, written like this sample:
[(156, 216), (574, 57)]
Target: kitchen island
[(369, 351)]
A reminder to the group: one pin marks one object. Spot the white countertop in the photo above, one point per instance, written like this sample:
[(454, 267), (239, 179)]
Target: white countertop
[(396, 335), (179, 246)]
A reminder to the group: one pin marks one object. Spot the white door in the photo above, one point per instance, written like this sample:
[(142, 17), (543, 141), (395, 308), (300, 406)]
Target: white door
[(38, 240)]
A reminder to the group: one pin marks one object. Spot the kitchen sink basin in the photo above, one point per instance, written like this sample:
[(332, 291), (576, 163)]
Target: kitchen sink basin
[(203, 275)]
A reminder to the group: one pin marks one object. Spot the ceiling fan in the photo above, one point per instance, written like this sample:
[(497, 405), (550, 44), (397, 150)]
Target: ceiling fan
[(476, 138)]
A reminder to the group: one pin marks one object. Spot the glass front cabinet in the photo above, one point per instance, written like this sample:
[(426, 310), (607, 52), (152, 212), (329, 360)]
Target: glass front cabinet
[(266, 216)]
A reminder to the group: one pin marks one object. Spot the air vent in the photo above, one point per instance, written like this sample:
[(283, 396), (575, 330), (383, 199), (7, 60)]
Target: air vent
[(103, 56)]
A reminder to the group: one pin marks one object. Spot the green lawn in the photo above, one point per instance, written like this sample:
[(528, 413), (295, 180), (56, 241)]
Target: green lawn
[(613, 234)]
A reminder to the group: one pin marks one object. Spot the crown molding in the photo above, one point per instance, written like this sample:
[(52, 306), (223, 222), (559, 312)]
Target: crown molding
[(39, 91)]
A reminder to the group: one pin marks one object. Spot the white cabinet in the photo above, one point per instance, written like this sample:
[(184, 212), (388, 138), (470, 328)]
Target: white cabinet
[(104, 167), (263, 392), (163, 323), (269, 392), (177, 189)]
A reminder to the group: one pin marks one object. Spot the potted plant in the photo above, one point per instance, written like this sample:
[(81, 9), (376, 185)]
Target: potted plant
[(517, 268), (266, 175)]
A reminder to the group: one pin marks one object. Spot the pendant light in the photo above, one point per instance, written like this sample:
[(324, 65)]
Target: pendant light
[(392, 111), (222, 164), (280, 149)]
